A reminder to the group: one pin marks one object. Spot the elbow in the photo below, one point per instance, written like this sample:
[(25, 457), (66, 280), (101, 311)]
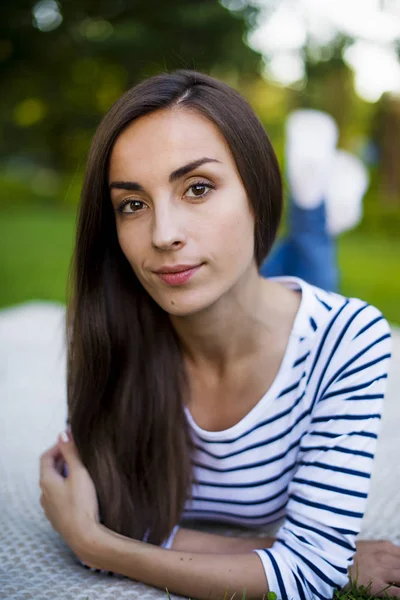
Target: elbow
[(291, 575)]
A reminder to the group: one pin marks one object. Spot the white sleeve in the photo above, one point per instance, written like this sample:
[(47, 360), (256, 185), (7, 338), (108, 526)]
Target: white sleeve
[(169, 541), (315, 546)]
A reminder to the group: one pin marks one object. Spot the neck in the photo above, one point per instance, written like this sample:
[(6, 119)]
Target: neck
[(233, 328)]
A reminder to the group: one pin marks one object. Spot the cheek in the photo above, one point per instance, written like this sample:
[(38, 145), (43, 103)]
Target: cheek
[(131, 245), (233, 234)]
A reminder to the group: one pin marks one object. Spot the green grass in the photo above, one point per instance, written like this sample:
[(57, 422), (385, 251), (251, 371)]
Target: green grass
[(36, 246), (370, 269)]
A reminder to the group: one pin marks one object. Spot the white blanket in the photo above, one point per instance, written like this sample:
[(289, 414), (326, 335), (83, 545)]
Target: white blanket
[(35, 563)]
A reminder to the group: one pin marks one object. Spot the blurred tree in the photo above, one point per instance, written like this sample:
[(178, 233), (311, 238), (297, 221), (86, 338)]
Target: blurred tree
[(386, 132), (62, 64)]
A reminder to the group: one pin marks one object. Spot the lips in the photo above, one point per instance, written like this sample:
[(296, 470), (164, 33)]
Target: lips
[(176, 268), (178, 277)]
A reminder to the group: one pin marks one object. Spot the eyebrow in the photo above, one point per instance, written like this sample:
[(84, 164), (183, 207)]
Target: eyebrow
[(174, 176)]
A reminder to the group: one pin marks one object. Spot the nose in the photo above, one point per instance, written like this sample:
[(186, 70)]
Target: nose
[(167, 231)]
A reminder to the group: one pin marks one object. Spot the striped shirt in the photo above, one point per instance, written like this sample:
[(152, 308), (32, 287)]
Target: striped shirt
[(303, 456)]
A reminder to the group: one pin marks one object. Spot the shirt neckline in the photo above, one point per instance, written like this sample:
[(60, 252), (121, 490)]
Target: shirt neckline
[(252, 416)]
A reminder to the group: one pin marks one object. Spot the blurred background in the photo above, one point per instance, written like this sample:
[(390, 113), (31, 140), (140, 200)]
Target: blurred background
[(63, 64)]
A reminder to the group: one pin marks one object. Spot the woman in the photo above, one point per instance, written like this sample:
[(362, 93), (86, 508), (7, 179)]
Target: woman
[(196, 387)]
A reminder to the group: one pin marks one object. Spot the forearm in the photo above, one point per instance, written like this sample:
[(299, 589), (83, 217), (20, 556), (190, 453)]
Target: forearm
[(191, 540), (207, 575)]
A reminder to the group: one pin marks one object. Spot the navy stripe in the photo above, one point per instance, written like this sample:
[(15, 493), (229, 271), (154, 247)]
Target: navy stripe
[(309, 564), (309, 544), (244, 467), (299, 587), (301, 538), (322, 342), (313, 324), (277, 437), (277, 575), (320, 465), (334, 349), (366, 327), (291, 387), (332, 509), (318, 353), (354, 359), (371, 363), (327, 306), (330, 434), (345, 418), (317, 592), (323, 534), (352, 388), (331, 488), (248, 484), (338, 449), (241, 516), (365, 397), (242, 502), (346, 531), (300, 360)]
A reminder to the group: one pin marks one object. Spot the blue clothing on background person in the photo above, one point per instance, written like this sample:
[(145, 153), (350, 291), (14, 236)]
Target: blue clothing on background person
[(308, 251)]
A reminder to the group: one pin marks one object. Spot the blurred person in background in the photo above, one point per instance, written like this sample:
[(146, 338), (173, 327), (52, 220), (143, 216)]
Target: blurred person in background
[(326, 189)]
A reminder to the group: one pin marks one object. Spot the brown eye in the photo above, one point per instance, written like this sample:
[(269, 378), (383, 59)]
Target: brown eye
[(134, 205), (199, 190)]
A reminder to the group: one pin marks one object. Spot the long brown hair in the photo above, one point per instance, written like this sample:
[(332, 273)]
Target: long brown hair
[(126, 377)]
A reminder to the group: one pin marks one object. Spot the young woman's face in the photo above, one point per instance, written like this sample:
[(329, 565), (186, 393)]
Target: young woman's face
[(181, 206)]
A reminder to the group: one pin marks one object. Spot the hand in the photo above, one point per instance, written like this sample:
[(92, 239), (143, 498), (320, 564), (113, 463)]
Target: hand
[(378, 561), (70, 503)]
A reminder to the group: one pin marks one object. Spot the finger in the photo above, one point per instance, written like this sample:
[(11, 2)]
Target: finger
[(381, 589), (48, 463), (48, 457), (392, 575), (392, 592), (388, 561), (70, 453), (392, 548), (385, 546), (59, 465), (51, 451)]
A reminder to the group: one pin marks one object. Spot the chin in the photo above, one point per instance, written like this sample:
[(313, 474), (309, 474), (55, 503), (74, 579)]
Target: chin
[(185, 305), (182, 309)]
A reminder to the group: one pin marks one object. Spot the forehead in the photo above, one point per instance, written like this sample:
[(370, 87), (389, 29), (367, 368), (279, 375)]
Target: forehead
[(167, 138)]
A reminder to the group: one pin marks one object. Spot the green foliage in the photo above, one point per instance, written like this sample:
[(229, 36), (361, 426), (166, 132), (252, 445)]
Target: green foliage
[(56, 85), (27, 187)]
